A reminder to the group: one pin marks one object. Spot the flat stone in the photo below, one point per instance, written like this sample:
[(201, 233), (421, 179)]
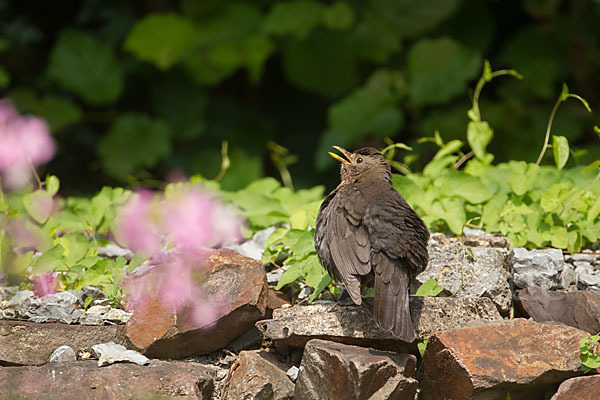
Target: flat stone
[(101, 310), (237, 283), (63, 354), (480, 272), (520, 357), (587, 276), (20, 302), (536, 267), (117, 316), (355, 324), (7, 292), (84, 380), (91, 319), (28, 343), (333, 371), (580, 388), (579, 309), (260, 375), (110, 353)]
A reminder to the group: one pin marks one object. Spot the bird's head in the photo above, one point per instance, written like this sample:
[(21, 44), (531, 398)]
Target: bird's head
[(360, 161)]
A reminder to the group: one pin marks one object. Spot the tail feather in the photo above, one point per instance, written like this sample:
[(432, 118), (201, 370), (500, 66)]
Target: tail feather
[(391, 303)]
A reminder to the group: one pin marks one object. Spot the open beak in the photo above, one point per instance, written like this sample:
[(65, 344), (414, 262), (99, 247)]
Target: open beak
[(345, 152)]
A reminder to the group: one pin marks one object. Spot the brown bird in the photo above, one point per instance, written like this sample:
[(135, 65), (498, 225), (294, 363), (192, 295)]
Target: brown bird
[(365, 229)]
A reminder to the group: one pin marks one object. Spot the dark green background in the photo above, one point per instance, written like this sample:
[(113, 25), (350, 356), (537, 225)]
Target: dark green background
[(145, 90)]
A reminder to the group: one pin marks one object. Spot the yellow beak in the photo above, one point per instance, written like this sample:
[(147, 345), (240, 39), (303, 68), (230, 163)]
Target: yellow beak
[(345, 152)]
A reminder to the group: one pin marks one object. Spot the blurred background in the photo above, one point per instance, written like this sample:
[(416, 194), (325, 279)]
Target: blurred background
[(143, 91)]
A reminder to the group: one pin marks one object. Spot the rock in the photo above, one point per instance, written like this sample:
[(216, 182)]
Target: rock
[(580, 309), (251, 339), (111, 250), (117, 316), (27, 343), (254, 247), (20, 302), (520, 357), (580, 388), (260, 375), (91, 319), (7, 292), (101, 310), (332, 371), (277, 299), (110, 353), (237, 283), (592, 258), (101, 302), (63, 354), (355, 324), (292, 373), (457, 271), (568, 277), (587, 276), (536, 267), (84, 380)]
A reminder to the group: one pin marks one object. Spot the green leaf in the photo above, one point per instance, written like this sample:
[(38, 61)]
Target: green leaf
[(299, 219), (38, 205), (290, 275), (440, 69), (463, 185), (449, 148), (551, 199), (49, 260), (59, 111), (52, 184), (83, 64), (565, 95), (560, 148), (429, 288), (161, 39), (87, 302), (296, 17), (304, 245), (559, 237), (339, 16), (75, 245), (479, 135), (422, 346), (133, 141), (522, 176)]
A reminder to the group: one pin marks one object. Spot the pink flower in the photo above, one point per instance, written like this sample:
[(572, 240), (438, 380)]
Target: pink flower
[(44, 284), (25, 143), (137, 227)]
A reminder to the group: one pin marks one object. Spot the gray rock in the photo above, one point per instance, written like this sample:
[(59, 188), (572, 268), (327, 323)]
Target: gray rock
[(7, 292), (473, 232), (8, 314), (334, 371), (117, 316), (592, 258), (254, 247), (539, 268), (20, 302), (63, 354), (355, 324), (101, 302), (109, 353), (60, 311), (67, 298), (292, 373), (100, 310), (480, 274), (112, 250), (587, 276), (568, 277), (91, 319), (275, 275)]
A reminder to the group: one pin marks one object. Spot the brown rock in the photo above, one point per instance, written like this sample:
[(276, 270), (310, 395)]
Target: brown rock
[(520, 357), (240, 280), (276, 299), (355, 324), (30, 343), (581, 388), (332, 371), (260, 375), (85, 380), (580, 309)]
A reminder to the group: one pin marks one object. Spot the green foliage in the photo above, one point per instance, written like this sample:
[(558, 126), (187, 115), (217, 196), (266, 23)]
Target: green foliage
[(590, 353), (429, 288)]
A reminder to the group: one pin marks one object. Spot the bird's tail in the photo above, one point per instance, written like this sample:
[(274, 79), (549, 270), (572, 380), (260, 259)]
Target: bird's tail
[(391, 304)]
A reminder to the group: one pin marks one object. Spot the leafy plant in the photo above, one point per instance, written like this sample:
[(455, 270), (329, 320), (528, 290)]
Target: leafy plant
[(590, 353), (429, 288)]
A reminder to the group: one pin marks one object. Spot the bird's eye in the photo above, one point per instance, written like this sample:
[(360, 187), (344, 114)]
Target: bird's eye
[(359, 160)]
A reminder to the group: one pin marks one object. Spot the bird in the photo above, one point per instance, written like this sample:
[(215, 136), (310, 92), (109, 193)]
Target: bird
[(367, 234)]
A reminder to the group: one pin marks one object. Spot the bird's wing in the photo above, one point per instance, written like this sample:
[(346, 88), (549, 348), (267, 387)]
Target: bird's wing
[(341, 240), (395, 229)]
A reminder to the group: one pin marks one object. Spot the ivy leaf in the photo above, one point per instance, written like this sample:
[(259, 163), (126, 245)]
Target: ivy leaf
[(440, 69), (290, 275), (479, 134), (52, 184), (560, 148), (38, 205), (75, 246), (463, 185), (83, 64), (161, 39), (133, 141), (296, 17), (49, 260), (429, 288)]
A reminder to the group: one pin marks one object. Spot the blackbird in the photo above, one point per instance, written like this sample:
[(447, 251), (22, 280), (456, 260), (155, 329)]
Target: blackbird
[(367, 232)]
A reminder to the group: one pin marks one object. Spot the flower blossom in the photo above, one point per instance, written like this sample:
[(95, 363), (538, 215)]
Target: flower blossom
[(25, 143)]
